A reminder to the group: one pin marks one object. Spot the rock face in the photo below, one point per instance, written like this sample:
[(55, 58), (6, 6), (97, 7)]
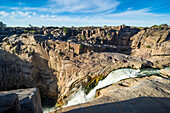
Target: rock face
[(152, 44), (147, 94), (21, 67), (21, 101), (9, 103), (56, 63), (27, 61)]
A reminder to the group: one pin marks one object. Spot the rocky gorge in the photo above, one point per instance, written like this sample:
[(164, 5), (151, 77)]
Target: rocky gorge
[(58, 61)]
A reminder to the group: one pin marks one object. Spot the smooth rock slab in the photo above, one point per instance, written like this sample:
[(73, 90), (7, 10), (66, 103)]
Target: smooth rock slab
[(165, 72), (141, 95), (29, 100)]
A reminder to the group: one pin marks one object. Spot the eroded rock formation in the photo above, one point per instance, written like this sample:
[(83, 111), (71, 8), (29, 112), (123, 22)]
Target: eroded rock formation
[(57, 62)]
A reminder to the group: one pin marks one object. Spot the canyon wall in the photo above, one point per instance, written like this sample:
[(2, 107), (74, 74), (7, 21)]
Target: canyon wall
[(59, 66)]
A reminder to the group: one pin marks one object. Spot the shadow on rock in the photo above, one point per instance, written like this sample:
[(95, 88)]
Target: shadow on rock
[(136, 105)]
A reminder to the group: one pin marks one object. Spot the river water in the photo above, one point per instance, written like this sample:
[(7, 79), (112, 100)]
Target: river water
[(81, 97)]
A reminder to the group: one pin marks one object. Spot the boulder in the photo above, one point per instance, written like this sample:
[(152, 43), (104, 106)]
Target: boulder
[(29, 100), (9, 103)]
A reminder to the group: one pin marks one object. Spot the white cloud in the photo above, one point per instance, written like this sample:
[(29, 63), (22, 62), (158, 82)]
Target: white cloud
[(3, 14), (83, 6), (23, 14), (129, 8), (20, 3), (135, 13)]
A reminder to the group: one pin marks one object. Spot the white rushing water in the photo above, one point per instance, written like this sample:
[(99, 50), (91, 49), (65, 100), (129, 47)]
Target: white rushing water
[(113, 77)]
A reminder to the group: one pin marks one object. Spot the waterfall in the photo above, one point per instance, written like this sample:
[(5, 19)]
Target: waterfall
[(113, 77), (81, 97)]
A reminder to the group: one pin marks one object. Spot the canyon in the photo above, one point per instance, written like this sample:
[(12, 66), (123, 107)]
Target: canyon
[(60, 60)]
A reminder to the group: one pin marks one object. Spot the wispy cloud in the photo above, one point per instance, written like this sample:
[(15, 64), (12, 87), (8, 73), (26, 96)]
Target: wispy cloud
[(3, 14), (135, 13), (79, 12), (83, 6), (72, 6)]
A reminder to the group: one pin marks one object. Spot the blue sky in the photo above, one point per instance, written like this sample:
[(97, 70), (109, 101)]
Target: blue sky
[(84, 12)]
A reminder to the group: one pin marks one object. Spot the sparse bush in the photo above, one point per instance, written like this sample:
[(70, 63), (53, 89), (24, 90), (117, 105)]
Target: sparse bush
[(108, 35), (14, 51), (32, 32), (66, 30), (133, 27), (160, 28), (148, 46), (8, 43), (146, 36), (30, 53), (81, 46), (71, 48), (26, 31), (83, 37), (2, 25), (92, 83), (155, 26), (60, 53)]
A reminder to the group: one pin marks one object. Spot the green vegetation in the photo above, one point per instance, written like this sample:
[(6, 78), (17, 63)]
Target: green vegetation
[(14, 51), (155, 26), (108, 35), (81, 46), (60, 53), (133, 27), (58, 105), (82, 28), (83, 37), (146, 36), (159, 26), (148, 46), (8, 43), (71, 48), (66, 30), (26, 31), (140, 28), (32, 32), (30, 53), (92, 83), (2, 25)]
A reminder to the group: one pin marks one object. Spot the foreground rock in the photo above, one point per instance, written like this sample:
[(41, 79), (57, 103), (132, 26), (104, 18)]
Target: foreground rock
[(21, 101), (141, 95), (9, 103)]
